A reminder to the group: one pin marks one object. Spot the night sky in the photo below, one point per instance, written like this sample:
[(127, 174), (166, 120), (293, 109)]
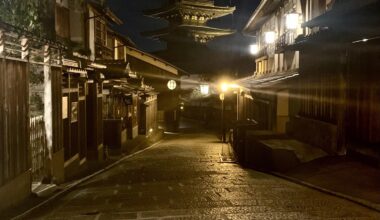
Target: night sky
[(130, 11)]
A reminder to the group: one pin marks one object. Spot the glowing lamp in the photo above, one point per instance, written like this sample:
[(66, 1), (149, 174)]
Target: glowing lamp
[(224, 87), (205, 89), (270, 37), (292, 21), (221, 96), (172, 84), (253, 49)]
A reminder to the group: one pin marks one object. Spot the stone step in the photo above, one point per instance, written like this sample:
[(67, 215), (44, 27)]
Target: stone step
[(43, 190)]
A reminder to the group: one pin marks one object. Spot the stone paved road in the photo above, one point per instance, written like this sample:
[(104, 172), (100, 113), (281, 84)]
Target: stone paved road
[(181, 178)]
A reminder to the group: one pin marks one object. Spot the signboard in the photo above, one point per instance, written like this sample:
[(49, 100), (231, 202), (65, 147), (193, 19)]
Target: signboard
[(64, 108)]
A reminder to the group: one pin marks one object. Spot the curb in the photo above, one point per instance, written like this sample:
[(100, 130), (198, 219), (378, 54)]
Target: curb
[(362, 202), (70, 187)]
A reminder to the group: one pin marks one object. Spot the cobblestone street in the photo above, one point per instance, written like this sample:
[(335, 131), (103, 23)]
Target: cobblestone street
[(182, 178)]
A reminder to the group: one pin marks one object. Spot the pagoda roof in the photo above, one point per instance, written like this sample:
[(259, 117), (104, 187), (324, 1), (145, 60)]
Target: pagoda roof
[(206, 30), (192, 29), (194, 7)]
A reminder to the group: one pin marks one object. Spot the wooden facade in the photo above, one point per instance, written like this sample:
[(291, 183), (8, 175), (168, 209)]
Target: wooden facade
[(94, 102), (332, 100), (363, 95), (14, 119), (148, 114)]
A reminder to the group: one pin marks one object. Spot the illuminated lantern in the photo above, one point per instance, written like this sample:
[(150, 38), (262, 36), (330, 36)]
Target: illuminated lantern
[(292, 21), (270, 37), (253, 49), (205, 89), (172, 84)]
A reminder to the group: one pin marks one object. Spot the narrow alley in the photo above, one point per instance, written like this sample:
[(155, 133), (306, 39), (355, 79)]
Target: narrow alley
[(182, 177)]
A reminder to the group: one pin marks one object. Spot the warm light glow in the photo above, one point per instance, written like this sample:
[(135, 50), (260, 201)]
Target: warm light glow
[(205, 89), (292, 21), (224, 87), (270, 37), (253, 49), (172, 84), (97, 66), (182, 108), (365, 40), (234, 86)]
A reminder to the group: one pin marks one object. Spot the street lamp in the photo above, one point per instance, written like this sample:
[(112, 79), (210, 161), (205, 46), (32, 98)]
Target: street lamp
[(224, 87), (221, 97)]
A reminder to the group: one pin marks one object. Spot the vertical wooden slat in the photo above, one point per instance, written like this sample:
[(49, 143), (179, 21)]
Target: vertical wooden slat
[(2, 113), (56, 77), (7, 115)]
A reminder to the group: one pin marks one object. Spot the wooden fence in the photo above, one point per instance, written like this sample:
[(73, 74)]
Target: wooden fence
[(14, 117), (16, 53), (38, 147)]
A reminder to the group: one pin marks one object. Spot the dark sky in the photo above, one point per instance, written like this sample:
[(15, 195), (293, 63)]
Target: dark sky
[(130, 11)]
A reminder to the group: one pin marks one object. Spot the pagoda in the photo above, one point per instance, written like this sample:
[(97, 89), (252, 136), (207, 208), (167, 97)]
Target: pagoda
[(187, 32)]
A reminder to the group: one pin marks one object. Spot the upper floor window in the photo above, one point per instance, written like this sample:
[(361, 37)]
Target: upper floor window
[(100, 31)]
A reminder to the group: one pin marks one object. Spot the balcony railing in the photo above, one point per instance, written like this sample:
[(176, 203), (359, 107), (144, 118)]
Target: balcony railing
[(285, 39)]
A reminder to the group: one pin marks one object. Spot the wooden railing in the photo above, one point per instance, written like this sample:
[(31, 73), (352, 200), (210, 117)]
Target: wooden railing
[(285, 39)]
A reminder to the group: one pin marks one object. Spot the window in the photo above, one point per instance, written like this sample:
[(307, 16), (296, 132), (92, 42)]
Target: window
[(100, 31)]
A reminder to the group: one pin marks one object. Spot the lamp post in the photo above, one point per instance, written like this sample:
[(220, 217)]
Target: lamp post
[(224, 87), (221, 97)]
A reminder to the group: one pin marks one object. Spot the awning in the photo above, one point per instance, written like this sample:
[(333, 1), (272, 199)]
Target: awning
[(352, 17), (266, 80), (114, 69)]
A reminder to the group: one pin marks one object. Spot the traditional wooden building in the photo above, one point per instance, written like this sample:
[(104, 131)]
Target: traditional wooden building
[(341, 78), (164, 78), (307, 52), (54, 98), (277, 25)]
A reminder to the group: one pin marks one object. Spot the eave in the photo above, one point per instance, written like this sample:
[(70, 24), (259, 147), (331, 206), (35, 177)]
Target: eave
[(262, 13), (266, 81), (178, 8), (155, 61), (354, 19), (194, 29), (206, 30), (106, 12)]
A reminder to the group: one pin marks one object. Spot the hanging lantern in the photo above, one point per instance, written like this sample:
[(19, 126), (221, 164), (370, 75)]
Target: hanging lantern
[(253, 49), (270, 37), (292, 21), (172, 84), (205, 89)]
